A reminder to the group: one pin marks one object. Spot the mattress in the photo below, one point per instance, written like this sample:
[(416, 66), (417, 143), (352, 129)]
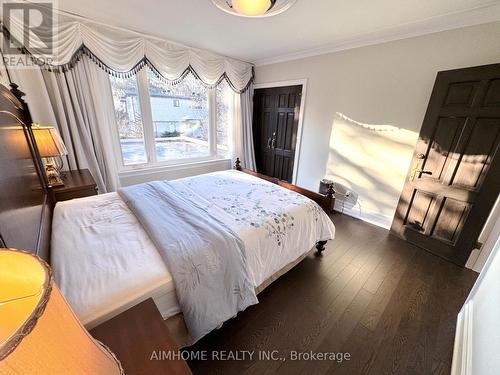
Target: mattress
[(104, 262)]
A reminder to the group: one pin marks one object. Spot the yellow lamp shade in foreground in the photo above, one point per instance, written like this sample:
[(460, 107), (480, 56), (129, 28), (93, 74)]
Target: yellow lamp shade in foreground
[(39, 334)]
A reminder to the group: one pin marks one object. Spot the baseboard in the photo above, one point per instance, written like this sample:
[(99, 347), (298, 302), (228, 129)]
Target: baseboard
[(372, 217), (462, 351), (472, 260)]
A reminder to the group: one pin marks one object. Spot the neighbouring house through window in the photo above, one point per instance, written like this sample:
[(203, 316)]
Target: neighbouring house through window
[(159, 123)]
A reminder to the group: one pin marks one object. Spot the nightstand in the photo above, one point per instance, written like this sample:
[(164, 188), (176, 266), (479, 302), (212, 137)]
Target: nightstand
[(135, 335), (77, 184)]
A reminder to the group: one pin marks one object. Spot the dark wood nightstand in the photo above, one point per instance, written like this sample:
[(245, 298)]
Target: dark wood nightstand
[(134, 335), (77, 184)]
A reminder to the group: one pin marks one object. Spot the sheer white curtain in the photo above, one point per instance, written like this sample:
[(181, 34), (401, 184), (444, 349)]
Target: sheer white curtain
[(242, 132), (82, 102)]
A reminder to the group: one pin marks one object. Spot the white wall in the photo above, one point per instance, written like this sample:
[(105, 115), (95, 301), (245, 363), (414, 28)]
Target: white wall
[(371, 88), (477, 339), (30, 82)]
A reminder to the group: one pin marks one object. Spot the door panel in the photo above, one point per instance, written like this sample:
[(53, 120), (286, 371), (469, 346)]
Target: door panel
[(449, 220), (418, 217), (267, 134), (264, 109), (276, 116), (461, 94), (454, 177), (478, 153), (445, 138), (492, 97)]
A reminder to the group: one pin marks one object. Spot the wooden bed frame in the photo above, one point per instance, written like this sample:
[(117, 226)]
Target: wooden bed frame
[(26, 207), (326, 201)]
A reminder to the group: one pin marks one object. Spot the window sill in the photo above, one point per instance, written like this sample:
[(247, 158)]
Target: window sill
[(149, 170)]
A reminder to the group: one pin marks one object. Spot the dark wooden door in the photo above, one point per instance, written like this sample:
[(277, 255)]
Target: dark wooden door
[(275, 124), (454, 178)]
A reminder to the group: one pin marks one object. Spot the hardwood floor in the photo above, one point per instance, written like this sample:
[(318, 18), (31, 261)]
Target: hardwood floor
[(389, 304)]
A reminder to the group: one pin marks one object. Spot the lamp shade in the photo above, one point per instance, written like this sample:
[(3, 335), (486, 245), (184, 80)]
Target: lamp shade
[(39, 334), (48, 141)]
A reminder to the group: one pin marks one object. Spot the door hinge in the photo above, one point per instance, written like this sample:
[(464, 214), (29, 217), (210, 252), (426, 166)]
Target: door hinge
[(478, 245)]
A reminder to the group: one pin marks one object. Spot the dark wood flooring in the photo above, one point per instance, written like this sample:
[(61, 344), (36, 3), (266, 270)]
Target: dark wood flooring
[(389, 304)]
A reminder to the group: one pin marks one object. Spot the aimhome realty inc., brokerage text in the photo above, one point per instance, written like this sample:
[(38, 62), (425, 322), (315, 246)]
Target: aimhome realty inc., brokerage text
[(248, 355)]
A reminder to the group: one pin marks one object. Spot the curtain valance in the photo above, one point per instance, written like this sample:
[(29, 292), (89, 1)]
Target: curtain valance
[(124, 52)]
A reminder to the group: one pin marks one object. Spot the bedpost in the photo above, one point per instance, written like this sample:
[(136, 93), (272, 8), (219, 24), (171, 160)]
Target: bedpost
[(320, 247), (329, 201), (28, 122), (237, 164)]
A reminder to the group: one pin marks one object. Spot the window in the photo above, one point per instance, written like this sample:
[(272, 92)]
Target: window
[(129, 120), (186, 133), (160, 123)]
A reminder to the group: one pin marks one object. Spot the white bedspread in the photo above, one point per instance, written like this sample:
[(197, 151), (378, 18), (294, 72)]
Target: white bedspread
[(104, 262), (206, 259)]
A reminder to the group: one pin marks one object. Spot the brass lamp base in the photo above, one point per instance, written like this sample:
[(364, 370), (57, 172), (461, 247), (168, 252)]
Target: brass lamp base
[(53, 177)]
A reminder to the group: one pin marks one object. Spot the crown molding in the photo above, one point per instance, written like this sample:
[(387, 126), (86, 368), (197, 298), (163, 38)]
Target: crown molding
[(475, 16)]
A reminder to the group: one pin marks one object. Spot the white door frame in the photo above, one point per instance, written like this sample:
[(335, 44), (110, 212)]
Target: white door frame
[(293, 82)]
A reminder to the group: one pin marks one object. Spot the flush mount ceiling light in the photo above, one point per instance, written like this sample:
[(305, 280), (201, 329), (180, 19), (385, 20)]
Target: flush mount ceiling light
[(254, 8)]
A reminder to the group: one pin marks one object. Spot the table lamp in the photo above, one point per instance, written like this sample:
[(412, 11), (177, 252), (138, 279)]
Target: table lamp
[(51, 148), (39, 334)]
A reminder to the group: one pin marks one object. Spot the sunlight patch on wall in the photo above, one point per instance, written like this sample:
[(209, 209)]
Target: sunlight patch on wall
[(371, 160)]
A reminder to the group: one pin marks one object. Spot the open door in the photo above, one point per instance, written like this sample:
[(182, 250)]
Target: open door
[(275, 125), (454, 178)]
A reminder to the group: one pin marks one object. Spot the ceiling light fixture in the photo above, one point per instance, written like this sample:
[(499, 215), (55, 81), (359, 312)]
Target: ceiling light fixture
[(254, 8)]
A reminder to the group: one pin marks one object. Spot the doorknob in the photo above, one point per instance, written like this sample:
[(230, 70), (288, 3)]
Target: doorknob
[(271, 140), (417, 169)]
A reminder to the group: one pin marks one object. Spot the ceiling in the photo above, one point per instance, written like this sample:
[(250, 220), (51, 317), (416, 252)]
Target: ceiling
[(308, 28)]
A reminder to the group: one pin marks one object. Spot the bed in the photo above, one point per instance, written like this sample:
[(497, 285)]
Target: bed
[(107, 257), (101, 237)]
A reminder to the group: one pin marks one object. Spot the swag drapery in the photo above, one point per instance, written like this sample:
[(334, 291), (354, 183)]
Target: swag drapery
[(76, 79), (124, 52)]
